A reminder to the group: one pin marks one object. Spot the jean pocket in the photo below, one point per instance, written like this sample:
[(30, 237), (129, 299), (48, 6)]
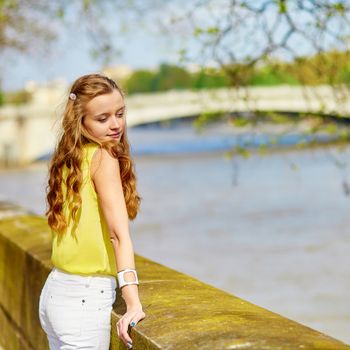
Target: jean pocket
[(65, 314), (98, 308), (105, 297)]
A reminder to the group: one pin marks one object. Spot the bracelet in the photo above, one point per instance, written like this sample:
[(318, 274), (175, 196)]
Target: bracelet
[(121, 280)]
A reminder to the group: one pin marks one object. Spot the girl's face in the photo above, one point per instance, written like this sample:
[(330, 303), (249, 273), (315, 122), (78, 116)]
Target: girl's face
[(104, 117)]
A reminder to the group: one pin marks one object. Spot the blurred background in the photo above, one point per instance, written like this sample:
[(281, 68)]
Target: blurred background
[(238, 119)]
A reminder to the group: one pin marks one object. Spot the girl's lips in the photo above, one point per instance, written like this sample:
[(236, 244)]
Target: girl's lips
[(114, 135)]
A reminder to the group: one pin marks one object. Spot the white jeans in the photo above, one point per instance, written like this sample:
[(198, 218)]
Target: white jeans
[(75, 310)]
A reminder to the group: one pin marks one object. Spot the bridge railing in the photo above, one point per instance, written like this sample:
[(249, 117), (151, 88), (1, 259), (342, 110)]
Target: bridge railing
[(181, 312)]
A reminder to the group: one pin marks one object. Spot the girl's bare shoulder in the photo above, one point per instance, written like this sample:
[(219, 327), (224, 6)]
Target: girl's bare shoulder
[(105, 175), (103, 163)]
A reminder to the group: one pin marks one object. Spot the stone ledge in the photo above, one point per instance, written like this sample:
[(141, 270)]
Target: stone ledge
[(181, 312)]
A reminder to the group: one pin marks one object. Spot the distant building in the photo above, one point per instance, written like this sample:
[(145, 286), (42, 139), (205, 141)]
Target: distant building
[(193, 67), (48, 94)]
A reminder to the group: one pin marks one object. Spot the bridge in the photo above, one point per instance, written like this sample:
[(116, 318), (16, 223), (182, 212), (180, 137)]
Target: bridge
[(22, 126)]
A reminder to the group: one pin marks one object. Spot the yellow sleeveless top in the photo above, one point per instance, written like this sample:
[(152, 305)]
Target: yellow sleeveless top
[(85, 248)]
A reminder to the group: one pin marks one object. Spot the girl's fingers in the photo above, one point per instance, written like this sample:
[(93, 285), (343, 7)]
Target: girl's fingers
[(123, 325), (136, 319)]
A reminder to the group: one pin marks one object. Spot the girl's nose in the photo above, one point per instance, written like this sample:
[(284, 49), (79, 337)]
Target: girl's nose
[(115, 123)]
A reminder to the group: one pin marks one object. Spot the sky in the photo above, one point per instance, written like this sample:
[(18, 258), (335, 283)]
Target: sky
[(70, 58), (141, 46)]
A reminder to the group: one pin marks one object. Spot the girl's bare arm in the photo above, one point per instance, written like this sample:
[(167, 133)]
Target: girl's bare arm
[(105, 174)]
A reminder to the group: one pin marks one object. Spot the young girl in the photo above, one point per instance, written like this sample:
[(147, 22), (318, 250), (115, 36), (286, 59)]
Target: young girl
[(91, 194)]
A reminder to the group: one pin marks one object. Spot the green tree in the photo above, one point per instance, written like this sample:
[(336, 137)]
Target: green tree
[(210, 78), (248, 33), (273, 74), (171, 77), (140, 81)]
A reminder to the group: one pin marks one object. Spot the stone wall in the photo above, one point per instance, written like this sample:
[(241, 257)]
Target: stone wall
[(181, 312)]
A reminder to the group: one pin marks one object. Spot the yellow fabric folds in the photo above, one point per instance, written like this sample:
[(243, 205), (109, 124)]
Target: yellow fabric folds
[(85, 248)]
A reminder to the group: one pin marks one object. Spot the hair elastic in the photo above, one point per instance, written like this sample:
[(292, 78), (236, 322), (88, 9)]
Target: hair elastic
[(121, 280), (72, 96)]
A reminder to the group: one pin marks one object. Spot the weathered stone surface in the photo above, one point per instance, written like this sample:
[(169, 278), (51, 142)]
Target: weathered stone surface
[(181, 312)]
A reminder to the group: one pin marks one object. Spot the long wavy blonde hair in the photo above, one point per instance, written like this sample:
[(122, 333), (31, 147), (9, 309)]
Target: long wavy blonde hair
[(68, 152)]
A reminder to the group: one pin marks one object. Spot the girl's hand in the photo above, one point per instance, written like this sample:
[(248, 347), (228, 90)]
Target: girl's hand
[(130, 318)]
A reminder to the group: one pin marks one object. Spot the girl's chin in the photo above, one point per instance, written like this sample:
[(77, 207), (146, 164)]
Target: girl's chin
[(109, 138), (116, 139)]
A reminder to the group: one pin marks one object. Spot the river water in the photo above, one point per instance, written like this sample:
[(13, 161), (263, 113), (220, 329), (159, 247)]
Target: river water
[(272, 229)]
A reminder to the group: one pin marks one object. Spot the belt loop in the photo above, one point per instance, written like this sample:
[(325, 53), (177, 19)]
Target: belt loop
[(52, 272), (88, 282)]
